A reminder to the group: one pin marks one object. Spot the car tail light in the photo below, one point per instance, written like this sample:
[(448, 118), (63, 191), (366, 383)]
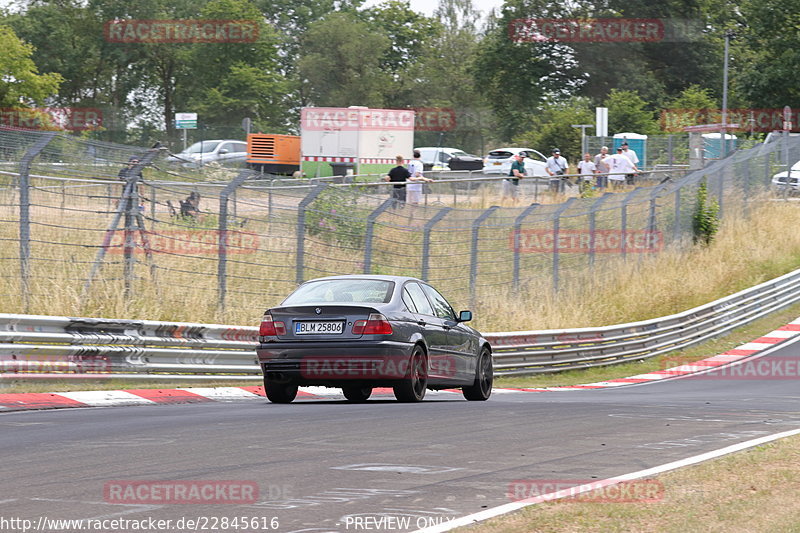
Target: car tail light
[(270, 328), (376, 324)]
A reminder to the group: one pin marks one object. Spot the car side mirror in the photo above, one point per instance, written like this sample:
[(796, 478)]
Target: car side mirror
[(464, 316), (223, 151)]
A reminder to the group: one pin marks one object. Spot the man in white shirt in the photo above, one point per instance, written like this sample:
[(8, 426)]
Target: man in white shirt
[(414, 186), (587, 169), (557, 166), (630, 179), (619, 167)]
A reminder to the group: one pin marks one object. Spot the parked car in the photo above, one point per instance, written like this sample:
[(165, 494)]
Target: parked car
[(357, 332), (438, 158), (779, 179), (499, 161), (226, 152)]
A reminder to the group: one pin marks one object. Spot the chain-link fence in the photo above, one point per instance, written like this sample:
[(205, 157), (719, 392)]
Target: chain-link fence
[(79, 234)]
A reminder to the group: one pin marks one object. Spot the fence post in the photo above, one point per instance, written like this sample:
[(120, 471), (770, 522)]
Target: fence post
[(426, 239), (222, 249), (473, 261), (131, 203), (624, 222), (515, 240), (25, 216), (370, 230), (556, 230), (593, 209), (301, 229)]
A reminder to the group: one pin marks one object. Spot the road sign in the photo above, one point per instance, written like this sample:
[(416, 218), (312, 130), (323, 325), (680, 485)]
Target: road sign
[(186, 121), (787, 118)]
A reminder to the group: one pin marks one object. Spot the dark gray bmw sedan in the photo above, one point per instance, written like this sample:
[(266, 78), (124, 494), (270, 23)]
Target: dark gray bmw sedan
[(358, 332)]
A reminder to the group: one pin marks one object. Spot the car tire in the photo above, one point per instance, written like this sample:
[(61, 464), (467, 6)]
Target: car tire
[(280, 391), (412, 387), (357, 394), (481, 389)]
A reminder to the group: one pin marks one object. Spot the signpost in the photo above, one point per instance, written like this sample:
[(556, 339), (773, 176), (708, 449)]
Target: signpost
[(185, 121)]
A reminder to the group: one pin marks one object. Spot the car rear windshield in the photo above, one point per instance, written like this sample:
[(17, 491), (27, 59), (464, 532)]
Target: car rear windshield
[(499, 154), (202, 147), (342, 290)]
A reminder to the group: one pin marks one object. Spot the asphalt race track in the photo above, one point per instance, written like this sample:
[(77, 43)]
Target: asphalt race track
[(320, 465)]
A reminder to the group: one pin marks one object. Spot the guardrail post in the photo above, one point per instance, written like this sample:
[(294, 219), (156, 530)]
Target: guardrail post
[(426, 239), (515, 240), (370, 231), (222, 237), (473, 260), (556, 230), (25, 215), (593, 209), (301, 230)]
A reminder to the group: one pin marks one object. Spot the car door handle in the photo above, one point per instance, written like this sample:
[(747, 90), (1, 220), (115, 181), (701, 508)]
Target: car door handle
[(421, 322)]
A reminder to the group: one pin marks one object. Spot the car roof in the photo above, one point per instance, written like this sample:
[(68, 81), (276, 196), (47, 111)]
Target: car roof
[(382, 277), (439, 148)]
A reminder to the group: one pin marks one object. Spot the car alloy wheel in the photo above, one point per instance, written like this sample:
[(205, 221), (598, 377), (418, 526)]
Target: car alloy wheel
[(481, 389), (412, 387)]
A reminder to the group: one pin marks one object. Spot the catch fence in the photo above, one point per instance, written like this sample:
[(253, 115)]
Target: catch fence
[(70, 226)]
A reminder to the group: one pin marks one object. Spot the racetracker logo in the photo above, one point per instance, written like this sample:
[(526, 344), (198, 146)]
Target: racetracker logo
[(587, 491), (181, 492), (761, 120), (766, 368), (181, 31), (183, 242), (434, 119), (605, 30), (371, 368), (52, 118), (583, 241)]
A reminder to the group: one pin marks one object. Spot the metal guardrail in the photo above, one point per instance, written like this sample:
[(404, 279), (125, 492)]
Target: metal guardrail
[(46, 346)]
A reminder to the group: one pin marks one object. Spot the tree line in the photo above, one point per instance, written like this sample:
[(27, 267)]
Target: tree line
[(498, 84)]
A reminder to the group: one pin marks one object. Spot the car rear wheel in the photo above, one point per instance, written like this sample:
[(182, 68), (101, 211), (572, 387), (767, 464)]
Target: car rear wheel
[(481, 389), (280, 391), (357, 394), (413, 386)]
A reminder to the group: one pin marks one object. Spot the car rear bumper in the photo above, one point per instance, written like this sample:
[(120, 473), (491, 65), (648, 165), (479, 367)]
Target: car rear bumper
[(376, 363)]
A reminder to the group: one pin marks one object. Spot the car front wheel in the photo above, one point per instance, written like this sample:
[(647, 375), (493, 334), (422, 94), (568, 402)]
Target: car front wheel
[(413, 386), (280, 391), (481, 388)]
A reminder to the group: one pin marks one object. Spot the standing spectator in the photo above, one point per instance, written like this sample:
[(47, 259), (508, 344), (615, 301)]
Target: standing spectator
[(416, 179), (399, 175), (557, 166), (619, 167), (630, 179), (601, 162), (517, 172), (586, 169), (129, 171)]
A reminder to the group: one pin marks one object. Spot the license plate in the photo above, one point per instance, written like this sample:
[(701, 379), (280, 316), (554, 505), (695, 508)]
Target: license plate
[(319, 328), (497, 163)]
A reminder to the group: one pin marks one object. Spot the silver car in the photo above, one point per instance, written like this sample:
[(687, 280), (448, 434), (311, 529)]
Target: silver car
[(226, 152)]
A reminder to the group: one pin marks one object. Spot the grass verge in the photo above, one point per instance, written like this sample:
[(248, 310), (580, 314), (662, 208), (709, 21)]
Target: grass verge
[(754, 490)]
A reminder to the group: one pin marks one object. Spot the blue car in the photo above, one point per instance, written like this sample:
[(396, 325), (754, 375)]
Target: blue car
[(358, 332)]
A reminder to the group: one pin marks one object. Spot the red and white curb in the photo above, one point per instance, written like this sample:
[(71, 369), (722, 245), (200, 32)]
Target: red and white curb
[(56, 400)]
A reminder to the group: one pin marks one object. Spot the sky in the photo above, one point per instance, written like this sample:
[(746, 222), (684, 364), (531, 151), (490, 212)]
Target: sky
[(427, 6)]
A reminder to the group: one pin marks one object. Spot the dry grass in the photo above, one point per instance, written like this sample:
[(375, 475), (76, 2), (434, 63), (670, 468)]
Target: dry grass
[(750, 491)]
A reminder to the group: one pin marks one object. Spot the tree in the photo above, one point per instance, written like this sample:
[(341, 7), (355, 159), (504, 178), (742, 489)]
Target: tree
[(20, 81), (238, 79), (410, 36), (627, 112), (518, 76), (694, 105), (552, 128), (771, 43), (341, 62)]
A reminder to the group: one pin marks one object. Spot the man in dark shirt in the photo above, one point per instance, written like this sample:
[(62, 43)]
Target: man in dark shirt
[(398, 174)]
